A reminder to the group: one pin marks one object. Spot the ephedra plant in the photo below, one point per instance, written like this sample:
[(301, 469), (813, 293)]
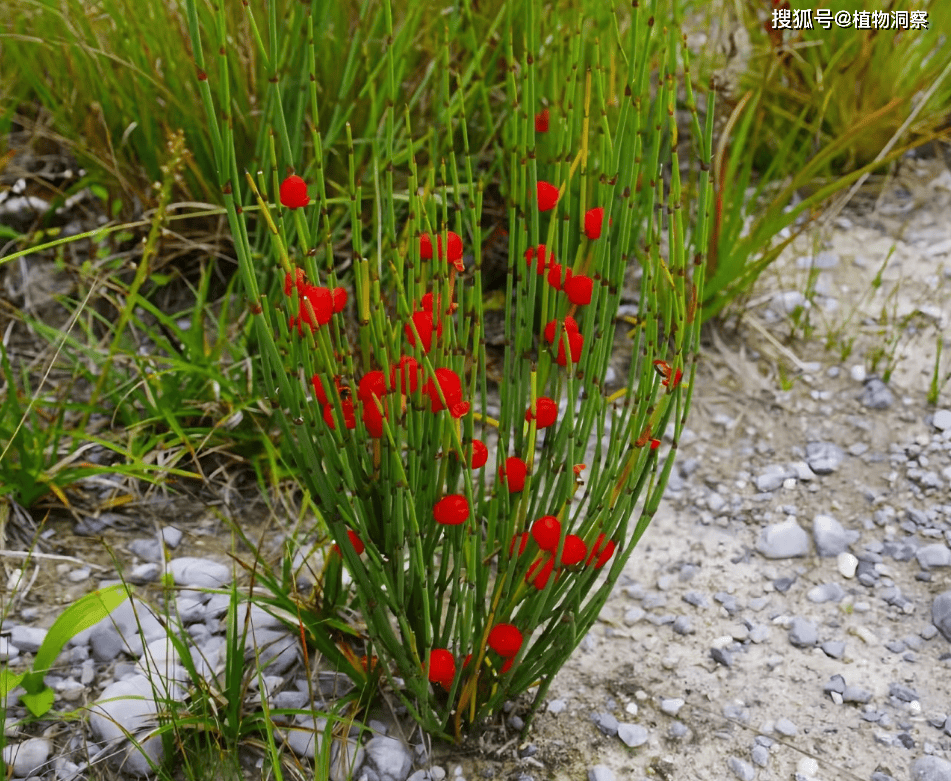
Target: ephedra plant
[(482, 533)]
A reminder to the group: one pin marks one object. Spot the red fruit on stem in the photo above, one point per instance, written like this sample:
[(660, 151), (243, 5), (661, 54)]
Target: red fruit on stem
[(546, 532), (404, 376), (541, 253), (298, 280), (593, 220), (541, 121), (451, 510), (425, 247), (319, 393), (372, 383), (424, 324), (321, 302), (579, 289), (540, 571), (355, 541), (554, 275), (601, 551), (373, 418), (480, 454), (570, 325), (547, 196), (451, 386), (339, 299), (442, 667), (348, 417), (546, 412), (522, 540), (294, 192), (513, 472), (575, 345), (505, 640), (573, 550)]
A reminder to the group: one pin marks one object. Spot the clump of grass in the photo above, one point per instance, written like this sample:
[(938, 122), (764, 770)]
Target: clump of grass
[(818, 111), (421, 526)]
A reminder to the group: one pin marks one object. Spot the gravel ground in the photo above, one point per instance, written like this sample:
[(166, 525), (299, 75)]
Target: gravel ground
[(786, 616)]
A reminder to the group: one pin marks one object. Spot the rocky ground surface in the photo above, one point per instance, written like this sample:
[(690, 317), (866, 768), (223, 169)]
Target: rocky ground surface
[(788, 614)]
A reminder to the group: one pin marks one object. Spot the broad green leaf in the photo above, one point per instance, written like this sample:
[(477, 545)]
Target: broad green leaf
[(8, 681), (40, 702), (82, 614)]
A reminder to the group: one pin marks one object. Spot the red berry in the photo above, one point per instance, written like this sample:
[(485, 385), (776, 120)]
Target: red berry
[(451, 510), (505, 640), (480, 454), (404, 375), (546, 412), (425, 247), (546, 532), (355, 541), (571, 326), (547, 196), (540, 571), (541, 121), (442, 667), (573, 550), (575, 344), (513, 473), (601, 551), (373, 418), (453, 247), (542, 258), (554, 275), (579, 289), (424, 325), (593, 220), (339, 298), (372, 383), (319, 393), (298, 280), (321, 302), (294, 192), (522, 540), (451, 386), (348, 418)]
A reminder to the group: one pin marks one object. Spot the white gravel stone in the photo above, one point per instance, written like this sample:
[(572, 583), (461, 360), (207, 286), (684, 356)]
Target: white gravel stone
[(27, 758), (784, 540), (935, 555), (846, 564), (199, 573), (942, 419), (601, 773), (830, 536), (128, 705), (633, 735)]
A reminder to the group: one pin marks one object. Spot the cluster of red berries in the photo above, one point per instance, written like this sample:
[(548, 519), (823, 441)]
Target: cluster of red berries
[(504, 639), (546, 533), (317, 304)]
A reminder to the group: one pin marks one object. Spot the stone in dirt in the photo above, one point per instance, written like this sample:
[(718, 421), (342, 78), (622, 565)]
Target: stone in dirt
[(931, 769), (784, 540), (28, 757), (803, 633), (601, 773), (941, 614), (830, 536), (942, 419), (823, 457), (876, 394)]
